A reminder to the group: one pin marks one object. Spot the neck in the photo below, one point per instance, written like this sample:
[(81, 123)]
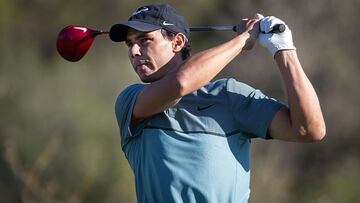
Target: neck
[(172, 66), (174, 63)]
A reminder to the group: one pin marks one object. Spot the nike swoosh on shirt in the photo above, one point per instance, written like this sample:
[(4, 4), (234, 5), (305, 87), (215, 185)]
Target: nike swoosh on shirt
[(204, 107)]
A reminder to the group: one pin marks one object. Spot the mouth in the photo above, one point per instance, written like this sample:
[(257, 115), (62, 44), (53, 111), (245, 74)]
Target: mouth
[(142, 66), (141, 63)]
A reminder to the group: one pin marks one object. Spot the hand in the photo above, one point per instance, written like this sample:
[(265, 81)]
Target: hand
[(275, 42), (250, 26)]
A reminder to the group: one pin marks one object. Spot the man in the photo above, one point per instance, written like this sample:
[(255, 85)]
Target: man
[(187, 139)]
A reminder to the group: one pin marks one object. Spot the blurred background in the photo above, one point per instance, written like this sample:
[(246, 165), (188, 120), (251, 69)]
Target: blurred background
[(59, 141)]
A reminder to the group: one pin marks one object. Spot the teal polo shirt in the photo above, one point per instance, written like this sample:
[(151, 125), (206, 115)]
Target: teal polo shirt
[(198, 150)]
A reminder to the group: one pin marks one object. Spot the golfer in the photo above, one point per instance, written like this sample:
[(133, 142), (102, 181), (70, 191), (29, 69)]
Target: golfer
[(186, 137)]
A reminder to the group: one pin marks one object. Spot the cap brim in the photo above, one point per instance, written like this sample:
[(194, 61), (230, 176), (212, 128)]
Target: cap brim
[(118, 32)]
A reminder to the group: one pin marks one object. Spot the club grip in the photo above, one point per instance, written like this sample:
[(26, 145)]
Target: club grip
[(278, 28)]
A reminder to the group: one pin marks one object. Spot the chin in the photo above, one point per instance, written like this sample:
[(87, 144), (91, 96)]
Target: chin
[(148, 79)]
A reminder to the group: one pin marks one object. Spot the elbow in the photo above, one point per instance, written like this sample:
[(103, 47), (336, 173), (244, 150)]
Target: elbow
[(313, 133), (317, 134), (183, 86)]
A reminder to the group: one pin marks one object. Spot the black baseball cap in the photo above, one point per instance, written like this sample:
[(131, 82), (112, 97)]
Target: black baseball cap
[(150, 18)]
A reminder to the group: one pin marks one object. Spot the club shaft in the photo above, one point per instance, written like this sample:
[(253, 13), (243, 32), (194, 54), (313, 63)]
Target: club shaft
[(214, 28), (278, 28)]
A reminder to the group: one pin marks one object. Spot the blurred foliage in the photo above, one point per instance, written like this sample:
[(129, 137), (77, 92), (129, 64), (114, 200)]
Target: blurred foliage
[(58, 135)]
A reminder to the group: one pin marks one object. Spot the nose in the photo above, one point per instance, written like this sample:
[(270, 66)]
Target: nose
[(134, 50)]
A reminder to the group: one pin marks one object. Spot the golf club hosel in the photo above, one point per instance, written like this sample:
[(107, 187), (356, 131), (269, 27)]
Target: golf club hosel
[(99, 32)]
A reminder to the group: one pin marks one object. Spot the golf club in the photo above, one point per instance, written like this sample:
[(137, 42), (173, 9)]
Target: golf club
[(74, 41)]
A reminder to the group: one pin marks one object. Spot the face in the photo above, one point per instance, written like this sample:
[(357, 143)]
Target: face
[(148, 53)]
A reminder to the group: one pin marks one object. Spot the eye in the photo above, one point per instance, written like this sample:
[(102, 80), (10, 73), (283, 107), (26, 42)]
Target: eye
[(145, 40), (128, 44)]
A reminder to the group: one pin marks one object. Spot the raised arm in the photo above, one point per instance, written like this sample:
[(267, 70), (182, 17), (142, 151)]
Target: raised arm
[(302, 120)]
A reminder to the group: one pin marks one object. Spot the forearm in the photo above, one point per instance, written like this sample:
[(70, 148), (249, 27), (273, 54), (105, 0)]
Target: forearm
[(199, 69), (305, 113)]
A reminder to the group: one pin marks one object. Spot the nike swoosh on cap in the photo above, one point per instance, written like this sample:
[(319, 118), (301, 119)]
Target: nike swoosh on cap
[(140, 10), (166, 23)]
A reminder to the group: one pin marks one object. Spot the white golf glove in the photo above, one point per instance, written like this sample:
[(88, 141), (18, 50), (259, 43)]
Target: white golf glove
[(274, 42)]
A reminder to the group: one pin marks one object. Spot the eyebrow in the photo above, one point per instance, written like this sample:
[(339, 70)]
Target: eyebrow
[(141, 35)]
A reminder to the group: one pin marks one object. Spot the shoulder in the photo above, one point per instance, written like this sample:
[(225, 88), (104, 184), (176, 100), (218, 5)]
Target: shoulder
[(214, 88), (227, 84), (230, 85), (128, 94), (129, 90), (235, 86)]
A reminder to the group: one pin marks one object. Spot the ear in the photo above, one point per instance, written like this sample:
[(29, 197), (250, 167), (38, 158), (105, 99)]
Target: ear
[(178, 42)]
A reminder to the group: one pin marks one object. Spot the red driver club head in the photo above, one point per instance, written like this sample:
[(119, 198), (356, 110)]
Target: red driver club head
[(74, 41)]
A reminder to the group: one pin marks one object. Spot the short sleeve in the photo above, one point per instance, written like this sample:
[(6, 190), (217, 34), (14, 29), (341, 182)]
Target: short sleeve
[(123, 109), (252, 110)]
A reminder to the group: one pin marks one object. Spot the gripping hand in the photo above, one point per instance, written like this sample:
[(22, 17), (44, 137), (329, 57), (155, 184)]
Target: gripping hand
[(275, 42)]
